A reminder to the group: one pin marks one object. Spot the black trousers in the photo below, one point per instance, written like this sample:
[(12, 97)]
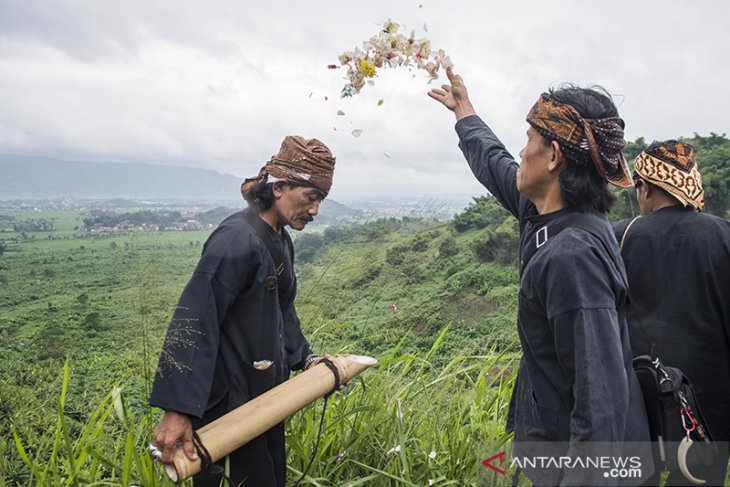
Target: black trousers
[(259, 463)]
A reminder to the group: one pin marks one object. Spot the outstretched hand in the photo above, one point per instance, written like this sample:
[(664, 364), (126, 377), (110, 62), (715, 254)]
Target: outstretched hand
[(454, 96)]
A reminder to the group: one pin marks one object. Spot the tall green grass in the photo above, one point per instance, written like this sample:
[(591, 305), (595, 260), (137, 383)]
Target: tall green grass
[(405, 422), (106, 450)]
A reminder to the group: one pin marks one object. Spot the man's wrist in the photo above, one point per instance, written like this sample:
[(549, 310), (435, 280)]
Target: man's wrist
[(311, 358), (171, 412), (464, 109)]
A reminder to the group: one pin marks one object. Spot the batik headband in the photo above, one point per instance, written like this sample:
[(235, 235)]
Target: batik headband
[(671, 166), (599, 139), (300, 160)]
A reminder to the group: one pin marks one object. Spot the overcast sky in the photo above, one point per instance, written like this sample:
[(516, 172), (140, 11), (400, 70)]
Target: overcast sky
[(217, 84)]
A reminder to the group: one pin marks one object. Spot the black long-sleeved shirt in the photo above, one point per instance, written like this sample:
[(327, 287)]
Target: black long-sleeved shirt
[(227, 318), (678, 266), (576, 382)]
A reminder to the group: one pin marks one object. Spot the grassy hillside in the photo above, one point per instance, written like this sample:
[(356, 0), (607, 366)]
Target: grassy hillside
[(103, 306), (364, 286), (82, 319)]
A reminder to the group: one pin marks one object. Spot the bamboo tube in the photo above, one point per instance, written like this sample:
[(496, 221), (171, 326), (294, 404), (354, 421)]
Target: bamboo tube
[(243, 424)]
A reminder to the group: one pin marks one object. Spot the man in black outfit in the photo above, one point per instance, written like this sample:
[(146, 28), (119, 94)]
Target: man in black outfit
[(575, 383), (678, 264), (235, 333)]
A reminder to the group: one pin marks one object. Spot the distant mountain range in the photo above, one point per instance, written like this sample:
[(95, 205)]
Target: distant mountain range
[(27, 177), (43, 177)]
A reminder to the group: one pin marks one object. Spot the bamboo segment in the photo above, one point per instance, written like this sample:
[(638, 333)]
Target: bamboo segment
[(257, 416)]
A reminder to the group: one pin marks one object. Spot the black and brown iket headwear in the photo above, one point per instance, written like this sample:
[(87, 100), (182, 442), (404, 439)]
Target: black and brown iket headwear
[(584, 139), (671, 166), (301, 161)]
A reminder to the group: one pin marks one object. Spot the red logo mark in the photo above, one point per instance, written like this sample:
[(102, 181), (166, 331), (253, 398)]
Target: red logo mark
[(488, 463)]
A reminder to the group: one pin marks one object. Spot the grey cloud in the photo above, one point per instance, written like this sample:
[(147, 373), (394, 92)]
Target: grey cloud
[(218, 84)]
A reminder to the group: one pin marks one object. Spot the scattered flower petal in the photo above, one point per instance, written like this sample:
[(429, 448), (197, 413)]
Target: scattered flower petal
[(332, 66), (388, 156), (432, 455), (366, 68), (389, 49), (392, 305), (347, 90), (357, 132), (326, 98), (390, 27), (395, 449), (431, 482)]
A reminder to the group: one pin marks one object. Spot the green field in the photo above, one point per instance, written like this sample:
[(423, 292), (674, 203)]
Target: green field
[(102, 304), (82, 318)]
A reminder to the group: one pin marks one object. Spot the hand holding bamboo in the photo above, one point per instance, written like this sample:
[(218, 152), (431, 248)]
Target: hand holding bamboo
[(253, 418)]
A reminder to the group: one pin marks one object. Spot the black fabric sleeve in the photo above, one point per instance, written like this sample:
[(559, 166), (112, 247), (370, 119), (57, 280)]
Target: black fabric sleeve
[(490, 162), (187, 362)]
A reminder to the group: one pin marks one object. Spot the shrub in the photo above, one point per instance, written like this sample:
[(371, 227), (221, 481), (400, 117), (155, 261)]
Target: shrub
[(471, 279), (448, 247), (370, 271), (500, 244), (307, 246), (419, 243), (484, 211), (396, 255)]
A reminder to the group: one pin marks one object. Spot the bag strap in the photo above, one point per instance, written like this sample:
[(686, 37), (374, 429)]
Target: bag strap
[(546, 232), (543, 234), (264, 233), (623, 237)]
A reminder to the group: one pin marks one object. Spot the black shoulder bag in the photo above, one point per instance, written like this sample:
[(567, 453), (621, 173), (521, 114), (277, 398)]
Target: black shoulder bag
[(670, 401)]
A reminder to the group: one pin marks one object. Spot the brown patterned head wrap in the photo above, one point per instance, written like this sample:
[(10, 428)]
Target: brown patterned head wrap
[(301, 161), (671, 166), (584, 140)]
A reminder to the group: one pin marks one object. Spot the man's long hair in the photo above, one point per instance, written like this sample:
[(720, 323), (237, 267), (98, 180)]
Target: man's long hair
[(581, 186), (261, 196)]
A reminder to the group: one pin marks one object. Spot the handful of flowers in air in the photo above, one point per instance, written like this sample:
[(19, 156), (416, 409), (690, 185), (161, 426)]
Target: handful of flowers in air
[(389, 49)]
